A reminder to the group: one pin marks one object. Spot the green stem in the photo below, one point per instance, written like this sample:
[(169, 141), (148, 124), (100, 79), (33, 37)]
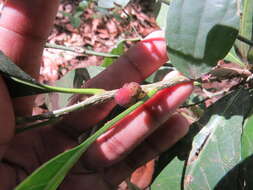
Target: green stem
[(106, 126), (150, 89), (245, 40), (93, 100), (88, 91)]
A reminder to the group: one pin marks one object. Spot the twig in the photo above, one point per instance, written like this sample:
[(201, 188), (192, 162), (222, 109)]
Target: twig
[(245, 40), (98, 99)]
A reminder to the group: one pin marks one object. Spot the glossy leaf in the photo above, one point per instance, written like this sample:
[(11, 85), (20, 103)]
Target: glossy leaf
[(19, 82), (200, 35), (219, 127), (170, 178), (9, 69), (247, 137), (216, 148), (243, 171), (246, 26)]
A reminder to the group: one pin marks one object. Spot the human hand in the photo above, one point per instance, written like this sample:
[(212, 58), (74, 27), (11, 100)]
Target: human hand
[(136, 139)]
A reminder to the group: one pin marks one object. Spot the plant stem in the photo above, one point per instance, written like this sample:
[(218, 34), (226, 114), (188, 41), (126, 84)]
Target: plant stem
[(80, 50), (48, 88), (245, 40), (88, 91), (98, 99)]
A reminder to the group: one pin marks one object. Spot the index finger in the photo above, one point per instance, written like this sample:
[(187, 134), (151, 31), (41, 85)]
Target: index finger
[(135, 65)]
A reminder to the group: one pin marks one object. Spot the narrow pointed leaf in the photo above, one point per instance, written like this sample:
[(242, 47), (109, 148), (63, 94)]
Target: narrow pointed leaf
[(247, 137), (200, 35)]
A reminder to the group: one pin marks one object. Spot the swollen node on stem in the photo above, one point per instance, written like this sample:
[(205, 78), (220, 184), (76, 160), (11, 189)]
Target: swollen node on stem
[(128, 94)]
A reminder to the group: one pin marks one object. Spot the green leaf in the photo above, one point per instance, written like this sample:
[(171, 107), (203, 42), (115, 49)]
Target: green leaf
[(246, 26), (232, 57), (169, 167), (243, 172), (118, 50), (247, 137), (19, 82), (9, 69), (200, 35), (59, 100), (199, 145), (216, 148), (170, 178)]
